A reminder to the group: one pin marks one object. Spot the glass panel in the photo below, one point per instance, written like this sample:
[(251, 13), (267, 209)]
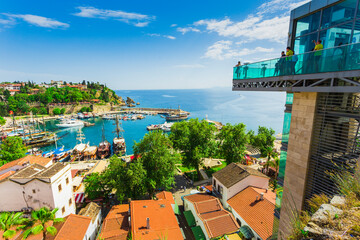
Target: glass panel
[(305, 43), (307, 24), (356, 34), (342, 58), (338, 13), (336, 36)]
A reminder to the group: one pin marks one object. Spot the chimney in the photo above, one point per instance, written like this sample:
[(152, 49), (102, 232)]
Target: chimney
[(261, 196), (147, 223)]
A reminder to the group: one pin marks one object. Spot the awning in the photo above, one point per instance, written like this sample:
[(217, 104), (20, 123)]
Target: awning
[(247, 232), (79, 197), (198, 233)]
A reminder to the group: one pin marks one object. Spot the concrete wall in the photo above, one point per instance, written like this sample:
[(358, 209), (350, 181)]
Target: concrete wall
[(302, 120), (190, 206), (94, 227)]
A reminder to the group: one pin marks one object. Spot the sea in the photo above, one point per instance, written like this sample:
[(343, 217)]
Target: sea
[(254, 109)]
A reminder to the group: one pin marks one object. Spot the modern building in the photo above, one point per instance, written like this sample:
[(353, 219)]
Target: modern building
[(235, 177), (209, 216), (36, 186), (323, 111)]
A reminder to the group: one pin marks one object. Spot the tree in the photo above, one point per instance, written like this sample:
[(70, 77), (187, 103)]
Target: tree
[(7, 94), (12, 148), (42, 219), (10, 223), (96, 186), (56, 111), (195, 140), (275, 164), (2, 121), (43, 110), (233, 140), (263, 140), (63, 110), (158, 159)]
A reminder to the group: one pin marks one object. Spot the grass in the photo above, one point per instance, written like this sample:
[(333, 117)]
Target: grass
[(212, 170), (185, 169)]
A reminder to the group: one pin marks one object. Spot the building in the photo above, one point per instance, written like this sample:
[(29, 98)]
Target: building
[(23, 162), (93, 211), (75, 227), (209, 215), (234, 178), (36, 186), (322, 119), (153, 219), (253, 209), (116, 224)]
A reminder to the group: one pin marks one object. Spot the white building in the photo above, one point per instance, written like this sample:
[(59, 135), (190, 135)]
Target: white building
[(20, 163), (93, 211), (234, 178), (36, 186)]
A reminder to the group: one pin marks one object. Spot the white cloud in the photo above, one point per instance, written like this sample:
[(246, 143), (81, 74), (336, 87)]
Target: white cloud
[(35, 20), (159, 35), (173, 25), (273, 6), (221, 50), (189, 66), (187, 29), (135, 19)]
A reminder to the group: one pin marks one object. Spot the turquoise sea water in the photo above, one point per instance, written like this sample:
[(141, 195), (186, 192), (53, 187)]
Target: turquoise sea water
[(218, 104)]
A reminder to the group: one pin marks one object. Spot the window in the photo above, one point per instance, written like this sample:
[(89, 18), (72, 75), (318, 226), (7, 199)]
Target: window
[(59, 187), (339, 13), (336, 36), (305, 43), (238, 221), (67, 180), (70, 202), (63, 210), (307, 24), (34, 191), (214, 183)]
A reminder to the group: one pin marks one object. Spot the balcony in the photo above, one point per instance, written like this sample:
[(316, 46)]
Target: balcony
[(333, 69)]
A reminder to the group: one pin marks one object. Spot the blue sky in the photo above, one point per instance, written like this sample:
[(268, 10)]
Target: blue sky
[(139, 44)]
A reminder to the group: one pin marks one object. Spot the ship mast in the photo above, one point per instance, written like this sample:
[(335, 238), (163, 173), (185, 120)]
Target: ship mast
[(118, 128), (80, 136), (103, 133)]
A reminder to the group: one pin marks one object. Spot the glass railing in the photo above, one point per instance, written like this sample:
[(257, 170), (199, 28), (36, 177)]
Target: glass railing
[(343, 58)]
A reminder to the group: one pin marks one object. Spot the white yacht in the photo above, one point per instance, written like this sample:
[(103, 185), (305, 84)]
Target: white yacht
[(70, 123)]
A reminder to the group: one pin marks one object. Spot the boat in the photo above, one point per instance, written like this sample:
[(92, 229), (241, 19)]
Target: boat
[(90, 152), (152, 127), (81, 116), (119, 145), (70, 123), (103, 150), (166, 127), (108, 117), (177, 117), (133, 117), (88, 124), (61, 155), (140, 116), (78, 150)]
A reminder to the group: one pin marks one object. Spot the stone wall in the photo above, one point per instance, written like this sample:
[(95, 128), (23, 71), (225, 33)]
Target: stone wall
[(75, 108), (298, 154)]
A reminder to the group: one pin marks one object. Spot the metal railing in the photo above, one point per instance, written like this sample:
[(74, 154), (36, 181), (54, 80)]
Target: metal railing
[(342, 58)]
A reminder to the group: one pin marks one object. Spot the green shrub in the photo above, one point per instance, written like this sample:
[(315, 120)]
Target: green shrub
[(43, 110), (2, 121), (62, 111), (57, 111)]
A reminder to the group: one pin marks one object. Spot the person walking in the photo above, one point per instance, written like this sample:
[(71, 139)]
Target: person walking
[(317, 54)]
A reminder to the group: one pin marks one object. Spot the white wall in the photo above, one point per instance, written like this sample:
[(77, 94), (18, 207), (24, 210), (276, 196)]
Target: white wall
[(190, 206), (94, 227), (61, 198), (254, 181), (243, 223)]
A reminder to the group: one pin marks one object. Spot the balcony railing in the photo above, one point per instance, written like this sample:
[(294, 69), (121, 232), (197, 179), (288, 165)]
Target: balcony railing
[(343, 58)]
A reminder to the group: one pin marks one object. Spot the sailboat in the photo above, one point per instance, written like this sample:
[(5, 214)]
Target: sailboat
[(104, 150), (119, 146), (78, 151)]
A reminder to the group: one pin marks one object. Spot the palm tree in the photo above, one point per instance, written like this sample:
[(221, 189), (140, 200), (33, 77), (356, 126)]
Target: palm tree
[(10, 220), (41, 220), (275, 164), (269, 153)]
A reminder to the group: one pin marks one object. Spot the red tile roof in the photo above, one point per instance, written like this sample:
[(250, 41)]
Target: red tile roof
[(14, 90), (74, 228), (116, 223), (74, 172), (259, 215), (7, 174), (28, 159), (217, 221), (167, 196), (163, 222)]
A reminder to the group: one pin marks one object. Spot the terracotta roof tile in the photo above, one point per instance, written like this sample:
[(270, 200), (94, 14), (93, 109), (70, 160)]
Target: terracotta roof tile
[(167, 196), (7, 174), (259, 215), (163, 222), (28, 159), (74, 172), (217, 221), (74, 228), (234, 172), (116, 223)]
